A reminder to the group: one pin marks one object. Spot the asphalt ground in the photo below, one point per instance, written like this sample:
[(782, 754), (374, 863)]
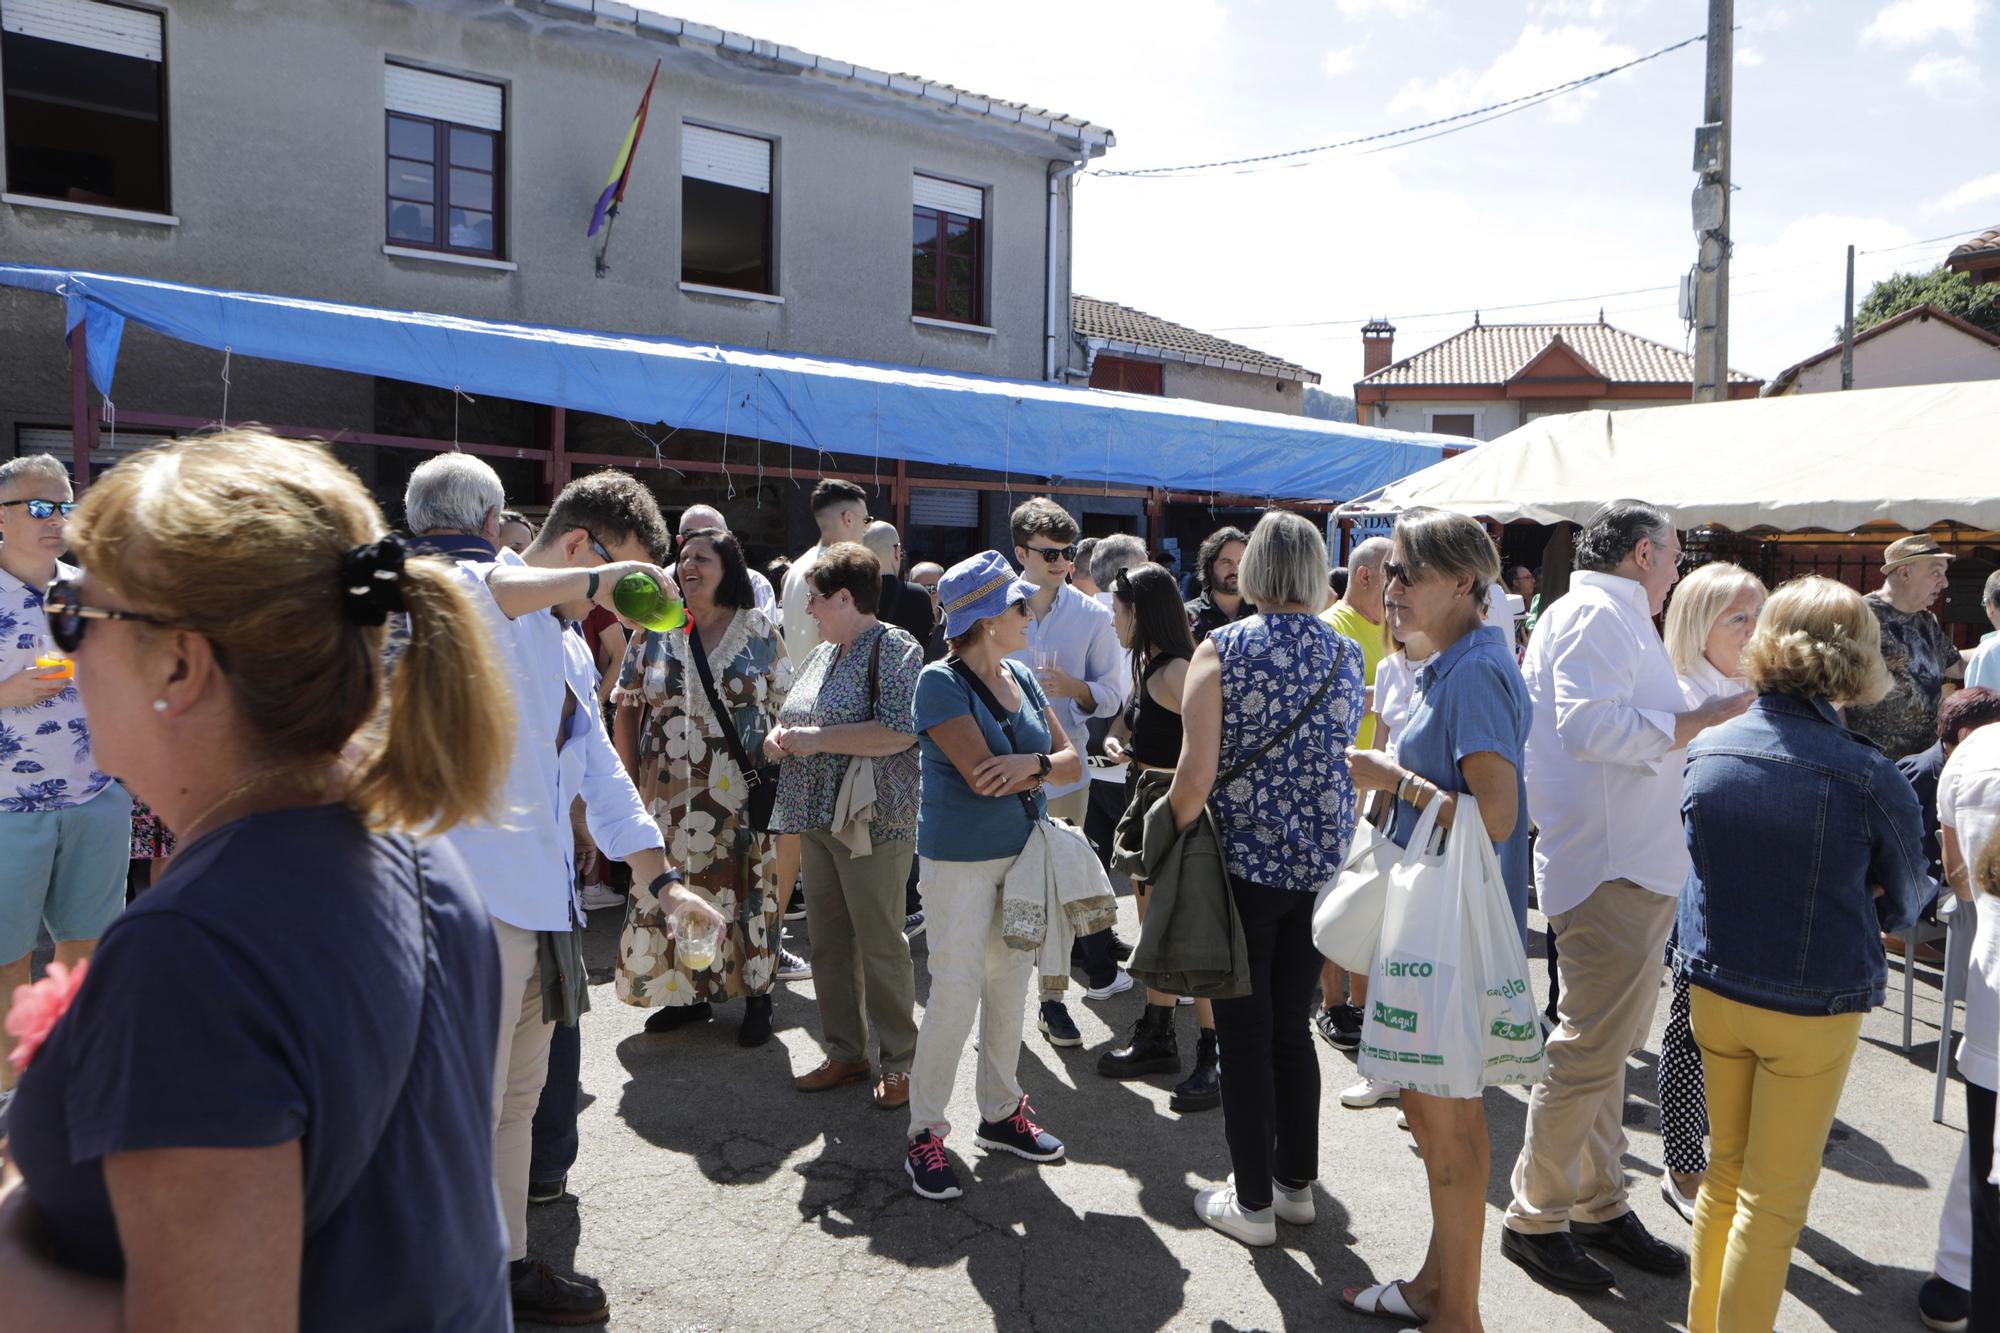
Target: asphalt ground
[(710, 1195)]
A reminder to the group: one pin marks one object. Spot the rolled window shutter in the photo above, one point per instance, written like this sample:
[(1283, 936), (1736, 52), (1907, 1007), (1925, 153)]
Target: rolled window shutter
[(741, 160), (89, 23), (419, 92), (968, 201)]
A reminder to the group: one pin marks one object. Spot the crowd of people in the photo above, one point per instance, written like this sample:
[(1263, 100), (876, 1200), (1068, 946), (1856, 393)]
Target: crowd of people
[(385, 777)]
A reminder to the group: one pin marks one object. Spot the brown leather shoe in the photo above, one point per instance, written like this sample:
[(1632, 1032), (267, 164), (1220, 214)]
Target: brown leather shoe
[(832, 1074), (892, 1091)]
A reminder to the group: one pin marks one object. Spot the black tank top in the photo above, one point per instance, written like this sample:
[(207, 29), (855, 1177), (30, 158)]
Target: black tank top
[(1156, 729)]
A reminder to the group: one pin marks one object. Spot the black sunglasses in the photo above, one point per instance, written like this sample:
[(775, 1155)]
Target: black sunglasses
[(1395, 573), (44, 508), (63, 604), (1055, 554)]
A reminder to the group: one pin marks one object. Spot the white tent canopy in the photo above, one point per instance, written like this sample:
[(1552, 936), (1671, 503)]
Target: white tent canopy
[(1833, 462)]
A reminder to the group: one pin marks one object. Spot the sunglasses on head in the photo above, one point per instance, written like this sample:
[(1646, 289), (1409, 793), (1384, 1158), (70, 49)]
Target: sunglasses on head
[(1055, 554), (44, 508), (69, 617)]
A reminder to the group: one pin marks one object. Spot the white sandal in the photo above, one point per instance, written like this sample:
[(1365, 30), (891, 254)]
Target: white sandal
[(1384, 1300)]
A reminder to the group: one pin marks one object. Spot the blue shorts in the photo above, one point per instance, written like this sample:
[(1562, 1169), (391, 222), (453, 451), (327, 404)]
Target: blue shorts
[(64, 867)]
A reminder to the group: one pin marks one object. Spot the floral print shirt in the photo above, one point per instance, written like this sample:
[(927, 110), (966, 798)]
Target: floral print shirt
[(828, 694), (1286, 820), (45, 757), (1917, 653)]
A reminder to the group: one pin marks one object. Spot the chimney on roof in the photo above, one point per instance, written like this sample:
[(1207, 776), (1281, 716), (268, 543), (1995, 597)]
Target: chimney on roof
[(1378, 345)]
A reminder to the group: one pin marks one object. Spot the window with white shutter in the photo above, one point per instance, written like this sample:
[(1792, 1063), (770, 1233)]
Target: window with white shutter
[(447, 139), (85, 102), (727, 217), (948, 250)]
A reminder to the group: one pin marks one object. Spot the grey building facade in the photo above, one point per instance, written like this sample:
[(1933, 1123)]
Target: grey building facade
[(445, 156)]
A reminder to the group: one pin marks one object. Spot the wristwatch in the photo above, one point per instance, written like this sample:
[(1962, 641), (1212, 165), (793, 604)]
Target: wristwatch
[(669, 876), (1043, 760)]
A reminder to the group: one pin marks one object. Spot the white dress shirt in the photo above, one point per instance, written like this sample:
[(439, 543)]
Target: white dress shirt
[(524, 863), (801, 631), (1079, 631), (1604, 778), (767, 601)]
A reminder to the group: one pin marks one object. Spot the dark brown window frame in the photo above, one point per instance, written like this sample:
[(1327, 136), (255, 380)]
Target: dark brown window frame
[(939, 287), (440, 200), (166, 129)]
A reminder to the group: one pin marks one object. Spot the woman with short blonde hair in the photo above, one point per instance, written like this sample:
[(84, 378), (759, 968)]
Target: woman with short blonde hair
[(1702, 600), (1807, 845), (317, 988)]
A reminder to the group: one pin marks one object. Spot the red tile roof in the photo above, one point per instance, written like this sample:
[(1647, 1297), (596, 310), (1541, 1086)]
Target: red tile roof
[(1495, 353), (1986, 240)]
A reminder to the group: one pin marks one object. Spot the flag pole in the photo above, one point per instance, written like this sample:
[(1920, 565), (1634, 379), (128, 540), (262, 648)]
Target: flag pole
[(610, 221)]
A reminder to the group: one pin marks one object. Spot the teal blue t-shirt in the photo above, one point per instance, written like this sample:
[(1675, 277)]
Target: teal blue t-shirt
[(955, 823)]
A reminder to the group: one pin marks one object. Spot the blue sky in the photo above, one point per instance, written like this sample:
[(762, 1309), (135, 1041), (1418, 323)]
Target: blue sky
[(1856, 121)]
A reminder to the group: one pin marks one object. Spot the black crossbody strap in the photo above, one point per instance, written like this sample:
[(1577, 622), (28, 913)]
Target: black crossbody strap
[(723, 718), (986, 697), (1241, 766)]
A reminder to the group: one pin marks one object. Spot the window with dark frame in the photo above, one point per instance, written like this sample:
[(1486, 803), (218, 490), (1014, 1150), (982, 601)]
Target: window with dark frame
[(727, 219), (948, 251), (446, 154), (1453, 423), (86, 103)]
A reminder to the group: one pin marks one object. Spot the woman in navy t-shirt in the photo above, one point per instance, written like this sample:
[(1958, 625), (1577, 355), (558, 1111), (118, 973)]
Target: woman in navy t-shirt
[(267, 1105)]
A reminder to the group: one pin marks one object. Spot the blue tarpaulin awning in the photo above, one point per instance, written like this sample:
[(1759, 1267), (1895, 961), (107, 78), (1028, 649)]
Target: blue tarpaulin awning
[(851, 407)]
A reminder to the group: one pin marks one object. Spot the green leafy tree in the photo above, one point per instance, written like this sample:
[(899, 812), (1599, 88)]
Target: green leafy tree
[(1953, 293)]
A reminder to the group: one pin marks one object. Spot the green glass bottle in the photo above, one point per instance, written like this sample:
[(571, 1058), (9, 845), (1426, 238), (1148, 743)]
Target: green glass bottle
[(644, 602)]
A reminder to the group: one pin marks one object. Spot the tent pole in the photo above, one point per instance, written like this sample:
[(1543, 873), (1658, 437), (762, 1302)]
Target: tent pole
[(555, 468), (1156, 518), (82, 422), (901, 492)]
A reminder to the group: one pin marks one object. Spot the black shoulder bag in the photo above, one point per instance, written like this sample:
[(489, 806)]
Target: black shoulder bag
[(985, 696), (761, 778)]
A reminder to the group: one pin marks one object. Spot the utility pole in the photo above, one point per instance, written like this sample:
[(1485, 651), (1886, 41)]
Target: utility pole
[(1847, 329), (1711, 212)]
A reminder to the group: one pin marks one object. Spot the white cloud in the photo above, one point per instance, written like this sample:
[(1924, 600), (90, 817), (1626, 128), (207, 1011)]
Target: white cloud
[(1908, 22), (1400, 9), (1952, 79), (1974, 191), (1767, 18), (1342, 59), (1749, 57), (1541, 58)]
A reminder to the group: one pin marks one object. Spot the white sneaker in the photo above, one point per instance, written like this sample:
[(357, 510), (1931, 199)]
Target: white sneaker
[(791, 967), (1294, 1206), (1120, 983), (1218, 1208), (1402, 1119), (1369, 1092), (596, 897)]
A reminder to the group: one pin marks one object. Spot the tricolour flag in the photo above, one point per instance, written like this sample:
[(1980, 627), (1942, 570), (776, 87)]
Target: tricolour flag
[(621, 168)]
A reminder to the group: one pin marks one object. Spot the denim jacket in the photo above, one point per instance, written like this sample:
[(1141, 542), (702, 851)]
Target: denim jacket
[(1790, 819)]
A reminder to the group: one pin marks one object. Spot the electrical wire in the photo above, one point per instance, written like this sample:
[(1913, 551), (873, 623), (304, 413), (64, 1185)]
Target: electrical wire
[(1464, 120), (1592, 296)]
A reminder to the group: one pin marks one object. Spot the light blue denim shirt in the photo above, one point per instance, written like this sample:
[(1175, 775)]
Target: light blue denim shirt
[(1792, 821)]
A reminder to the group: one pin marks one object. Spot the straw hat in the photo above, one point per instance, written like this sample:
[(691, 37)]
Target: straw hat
[(1908, 550)]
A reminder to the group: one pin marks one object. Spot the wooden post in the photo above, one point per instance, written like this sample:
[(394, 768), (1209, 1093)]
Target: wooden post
[(82, 421), (900, 490), (1156, 519), (555, 468)]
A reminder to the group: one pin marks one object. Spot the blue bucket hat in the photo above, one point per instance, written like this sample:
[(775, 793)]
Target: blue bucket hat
[(977, 587)]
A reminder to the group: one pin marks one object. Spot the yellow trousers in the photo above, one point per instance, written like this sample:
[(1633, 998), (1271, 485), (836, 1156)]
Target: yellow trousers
[(1774, 1082)]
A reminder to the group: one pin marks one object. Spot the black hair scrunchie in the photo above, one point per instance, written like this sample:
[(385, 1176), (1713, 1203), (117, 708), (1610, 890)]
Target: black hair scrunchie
[(371, 581)]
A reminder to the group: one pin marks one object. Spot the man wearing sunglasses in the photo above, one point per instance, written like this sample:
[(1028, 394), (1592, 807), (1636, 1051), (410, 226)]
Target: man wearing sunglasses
[(65, 828), (1073, 647)]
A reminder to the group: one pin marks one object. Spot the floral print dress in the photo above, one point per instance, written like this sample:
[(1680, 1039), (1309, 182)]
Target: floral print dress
[(696, 792)]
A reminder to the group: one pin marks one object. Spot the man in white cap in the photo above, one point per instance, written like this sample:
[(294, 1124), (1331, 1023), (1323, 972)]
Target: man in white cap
[(1919, 656)]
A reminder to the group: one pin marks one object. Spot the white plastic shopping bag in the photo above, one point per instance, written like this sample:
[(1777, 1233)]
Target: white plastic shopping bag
[(1449, 1009), (1347, 917)]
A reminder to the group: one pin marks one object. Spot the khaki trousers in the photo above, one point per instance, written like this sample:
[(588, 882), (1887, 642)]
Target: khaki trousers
[(520, 1068), (861, 958), (1572, 1160), (975, 977)]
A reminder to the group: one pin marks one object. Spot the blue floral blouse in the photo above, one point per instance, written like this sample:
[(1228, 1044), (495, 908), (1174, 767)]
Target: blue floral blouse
[(1287, 819)]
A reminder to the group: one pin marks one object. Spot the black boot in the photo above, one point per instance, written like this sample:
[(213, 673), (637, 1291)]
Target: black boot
[(756, 1029), (1152, 1049), (1201, 1090), (674, 1017)]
